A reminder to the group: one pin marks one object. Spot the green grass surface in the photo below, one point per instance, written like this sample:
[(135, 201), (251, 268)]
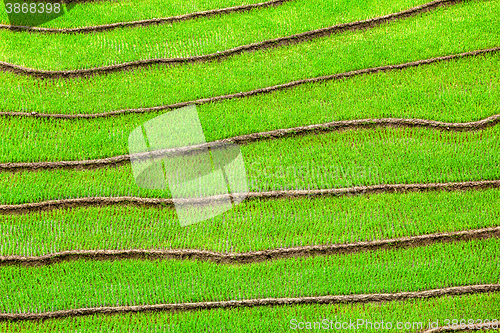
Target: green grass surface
[(252, 225), (133, 282), (458, 91), (477, 19), (280, 319), (335, 159), (105, 12), (434, 34), (189, 38)]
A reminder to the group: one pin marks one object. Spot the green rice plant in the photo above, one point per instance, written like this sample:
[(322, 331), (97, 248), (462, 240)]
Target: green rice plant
[(458, 91), (432, 34), (280, 318), (133, 282), (330, 160), (188, 38), (252, 225), (105, 12)]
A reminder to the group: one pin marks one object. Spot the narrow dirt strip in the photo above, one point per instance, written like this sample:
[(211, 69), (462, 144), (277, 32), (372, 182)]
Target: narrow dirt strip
[(168, 202), (463, 328), (265, 90), (330, 299), (144, 23), (271, 43), (248, 138), (255, 256)]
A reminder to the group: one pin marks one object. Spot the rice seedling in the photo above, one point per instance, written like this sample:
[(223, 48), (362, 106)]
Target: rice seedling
[(105, 12), (441, 91), (132, 282), (282, 319), (330, 160), (159, 85), (386, 39), (188, 38), (459, 90), (253, 225)]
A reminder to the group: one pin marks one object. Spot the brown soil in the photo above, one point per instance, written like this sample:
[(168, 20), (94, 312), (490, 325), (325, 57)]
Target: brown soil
[(256, 256), (162, 202), (330, 299), (82, 202), (271, 43), (143, 23), (265, 90), (248, 138)]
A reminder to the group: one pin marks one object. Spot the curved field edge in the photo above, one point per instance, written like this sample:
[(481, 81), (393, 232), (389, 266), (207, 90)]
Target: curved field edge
[(332, 160), (331, 299), (145, 22), (272, 224), (207, 201), (260, 91), (219, 55), (422, 312), (258, 69), (206, 36), (90, 13), (251, 257), (248, 138), (88, 284), (443, 91)]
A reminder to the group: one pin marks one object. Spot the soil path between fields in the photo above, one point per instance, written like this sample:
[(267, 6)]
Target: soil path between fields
[(144, 23), (254, 256), (258, 91), (262, 45), (249, 138), (270, 195), (329, 299)]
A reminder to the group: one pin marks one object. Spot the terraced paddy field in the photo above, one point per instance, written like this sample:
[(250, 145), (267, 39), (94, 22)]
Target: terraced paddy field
[(369, 138)]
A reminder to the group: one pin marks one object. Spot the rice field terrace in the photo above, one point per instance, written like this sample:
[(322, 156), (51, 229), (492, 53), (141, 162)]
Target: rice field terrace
[(250, 166)]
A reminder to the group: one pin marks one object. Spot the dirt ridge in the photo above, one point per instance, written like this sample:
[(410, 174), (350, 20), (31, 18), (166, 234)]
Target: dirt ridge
[(258, 91), (262, 45), (253, 137), (163, 202), (329, 299), (147, 22), (253, 256)]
